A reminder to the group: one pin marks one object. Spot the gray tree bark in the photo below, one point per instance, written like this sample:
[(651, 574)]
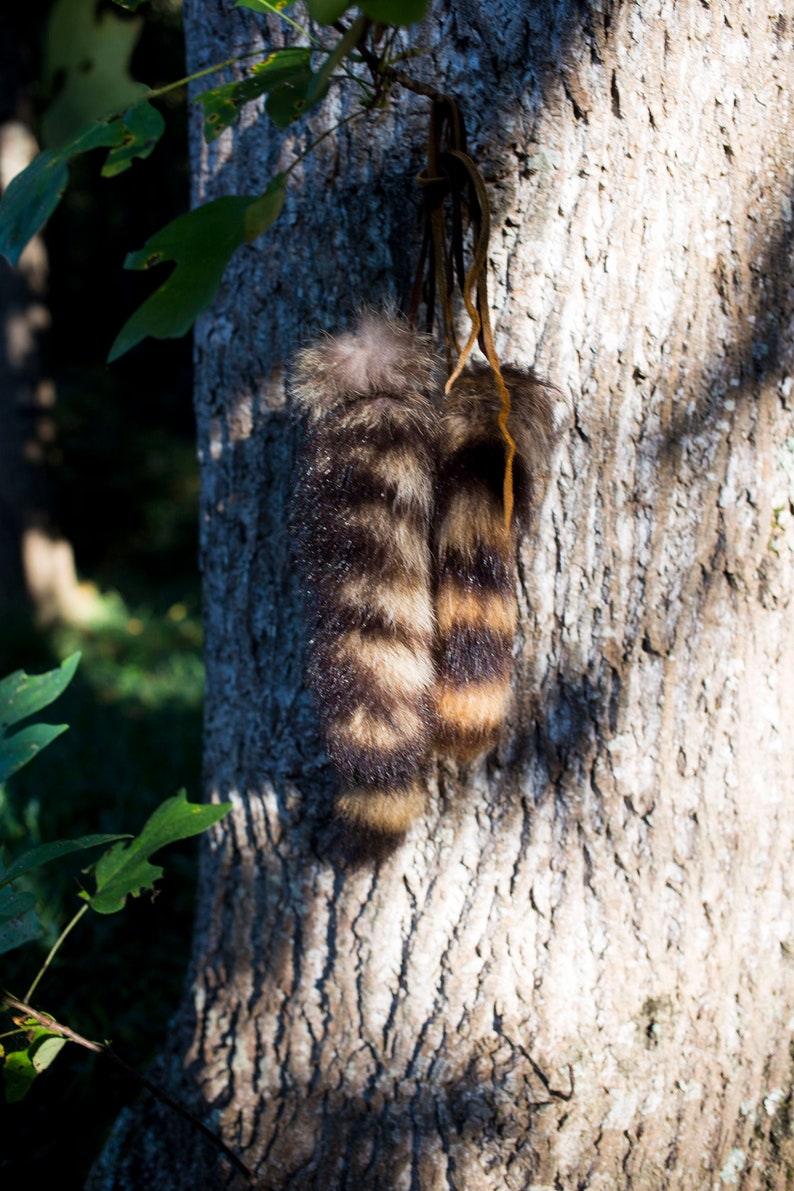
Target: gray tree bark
[(577, 971)]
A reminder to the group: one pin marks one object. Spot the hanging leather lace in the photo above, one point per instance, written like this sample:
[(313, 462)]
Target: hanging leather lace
[(456, 203)]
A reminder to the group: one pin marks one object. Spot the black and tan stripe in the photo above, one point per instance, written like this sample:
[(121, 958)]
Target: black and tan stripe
[(363, 512), (475, 551)]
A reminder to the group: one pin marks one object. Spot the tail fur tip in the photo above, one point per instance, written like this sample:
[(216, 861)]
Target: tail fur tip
[(384, 812), (380, 354)]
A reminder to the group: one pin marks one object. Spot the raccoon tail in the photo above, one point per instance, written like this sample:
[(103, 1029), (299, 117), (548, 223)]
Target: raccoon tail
[(362, 514), (475, 548)]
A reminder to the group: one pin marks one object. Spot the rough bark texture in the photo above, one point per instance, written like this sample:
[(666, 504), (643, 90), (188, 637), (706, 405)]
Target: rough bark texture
[(577, 972)]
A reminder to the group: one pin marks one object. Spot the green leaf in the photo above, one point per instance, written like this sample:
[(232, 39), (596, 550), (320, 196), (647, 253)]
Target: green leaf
[(388, 12), (276, 7), (395, 12), (22, 1066), (222, 104), (45, 1048), (125, 869), (130, 5), (201, 243), (45, 853), (266, 209), (19, 923), (23, 746), (290, 100), (143, 126), (87, 55), (20, 696), (23, 694), (325, 12), (32, 196), (18, 1075)]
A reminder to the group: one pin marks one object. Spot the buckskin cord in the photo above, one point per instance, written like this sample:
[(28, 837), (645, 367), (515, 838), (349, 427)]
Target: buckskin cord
[(452, 173)]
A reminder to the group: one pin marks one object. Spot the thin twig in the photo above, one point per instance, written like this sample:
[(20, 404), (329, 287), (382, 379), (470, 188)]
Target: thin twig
[(50, 1023), (157, 92), (328, 132), (61, 937), (102, 1048), (405, 80)]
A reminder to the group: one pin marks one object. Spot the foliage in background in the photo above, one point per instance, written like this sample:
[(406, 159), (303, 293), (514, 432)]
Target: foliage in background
[(31, 1040), (200, 243), (122, 458), (123, 465)]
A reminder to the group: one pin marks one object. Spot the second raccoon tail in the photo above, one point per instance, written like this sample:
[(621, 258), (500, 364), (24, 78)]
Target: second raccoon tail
[(363, 512), (475, 550)]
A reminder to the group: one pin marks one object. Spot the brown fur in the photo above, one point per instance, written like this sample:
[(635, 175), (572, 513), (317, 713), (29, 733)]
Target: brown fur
[(475, 552), (364, 506)]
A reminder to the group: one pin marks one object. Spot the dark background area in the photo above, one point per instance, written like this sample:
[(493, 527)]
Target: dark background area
[(122, 465)]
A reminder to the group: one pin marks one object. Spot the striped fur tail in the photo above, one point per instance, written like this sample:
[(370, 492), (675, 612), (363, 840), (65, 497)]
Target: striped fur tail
[(363, 513), (475, 551)]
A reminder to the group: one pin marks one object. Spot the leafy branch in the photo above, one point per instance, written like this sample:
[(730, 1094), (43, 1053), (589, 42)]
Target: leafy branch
[(123, 870), (48, 1037), (200, 243)]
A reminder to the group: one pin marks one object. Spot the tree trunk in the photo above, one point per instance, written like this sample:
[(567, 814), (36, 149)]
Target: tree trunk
[(577, 971)]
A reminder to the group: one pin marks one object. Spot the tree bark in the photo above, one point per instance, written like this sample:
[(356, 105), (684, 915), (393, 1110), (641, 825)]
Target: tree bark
[(577, 971)]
